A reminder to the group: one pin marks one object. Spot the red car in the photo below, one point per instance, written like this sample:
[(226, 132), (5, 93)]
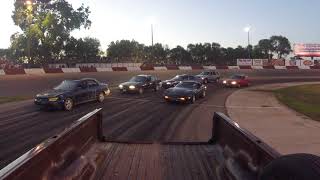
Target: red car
[(236, 81)]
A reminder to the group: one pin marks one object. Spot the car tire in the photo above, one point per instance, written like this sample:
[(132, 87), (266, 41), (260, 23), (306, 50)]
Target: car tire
[(293, 166), (101, 97), (203, 94), (140, 91), (193, 99), (205, 81), (157, 88), (68, 104), (238, 86)]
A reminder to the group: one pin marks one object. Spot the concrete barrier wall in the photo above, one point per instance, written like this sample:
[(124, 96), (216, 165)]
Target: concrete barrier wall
[(70, 70), (185, 67), (132, 68), (160, 68), (34, 71), (233, 67), (2, 72), (257, 67), (105, 69), (280, 67), (209, 67)]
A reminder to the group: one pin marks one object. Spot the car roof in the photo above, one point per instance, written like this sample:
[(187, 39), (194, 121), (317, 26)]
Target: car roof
[(86, 79), (144, 75)]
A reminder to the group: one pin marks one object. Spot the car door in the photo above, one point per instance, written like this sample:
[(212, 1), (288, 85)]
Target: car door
[(93, 88), (153, 82), (81, 92)]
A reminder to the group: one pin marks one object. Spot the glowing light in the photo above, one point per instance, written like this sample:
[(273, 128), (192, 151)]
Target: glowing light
[(247, 29), (29, 2)]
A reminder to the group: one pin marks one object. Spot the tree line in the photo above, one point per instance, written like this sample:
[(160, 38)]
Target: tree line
[(46, 38)]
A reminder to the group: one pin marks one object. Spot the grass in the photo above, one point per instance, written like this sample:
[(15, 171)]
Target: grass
[(12, 99), (304, 99)]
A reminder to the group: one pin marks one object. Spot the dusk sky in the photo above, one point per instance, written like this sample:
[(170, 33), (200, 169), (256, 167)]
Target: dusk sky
[(179, 22)]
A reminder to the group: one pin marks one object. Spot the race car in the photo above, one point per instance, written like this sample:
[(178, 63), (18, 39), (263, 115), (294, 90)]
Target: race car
[(140, 83), (179, 78), (72, 92), (187, 91), (209, 76), (236, 80)]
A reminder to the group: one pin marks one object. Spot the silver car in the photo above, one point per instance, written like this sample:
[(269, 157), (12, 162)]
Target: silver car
[(209, 76)]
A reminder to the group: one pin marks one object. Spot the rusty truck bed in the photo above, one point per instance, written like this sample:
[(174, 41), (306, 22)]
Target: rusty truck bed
[(82, 152)]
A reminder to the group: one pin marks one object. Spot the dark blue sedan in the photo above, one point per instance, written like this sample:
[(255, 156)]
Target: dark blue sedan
[(73, 92)]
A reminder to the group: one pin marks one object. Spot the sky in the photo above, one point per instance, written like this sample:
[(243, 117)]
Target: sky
[(180, 22)]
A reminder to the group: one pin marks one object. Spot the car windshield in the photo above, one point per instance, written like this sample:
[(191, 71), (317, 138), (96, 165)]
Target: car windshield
[(178, 78), (204, 73), (138, 79), (236, 77), (67, 85), (188, 85)]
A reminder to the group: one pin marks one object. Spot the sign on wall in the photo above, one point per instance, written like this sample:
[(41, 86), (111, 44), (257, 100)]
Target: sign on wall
[(244, 62), (306, 50)]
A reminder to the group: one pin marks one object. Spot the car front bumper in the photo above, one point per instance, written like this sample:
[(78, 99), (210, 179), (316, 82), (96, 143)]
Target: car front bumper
[(177, 98), (46, 103)]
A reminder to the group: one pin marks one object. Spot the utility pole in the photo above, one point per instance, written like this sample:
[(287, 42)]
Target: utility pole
[(152, 35)]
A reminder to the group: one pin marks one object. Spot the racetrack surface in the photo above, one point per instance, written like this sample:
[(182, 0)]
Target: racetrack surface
[(127, 117)]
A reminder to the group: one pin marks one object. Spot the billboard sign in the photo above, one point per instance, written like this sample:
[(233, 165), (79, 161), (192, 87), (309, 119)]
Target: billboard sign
[(274, 62), (244, 62), (307, 50), (257, 62)]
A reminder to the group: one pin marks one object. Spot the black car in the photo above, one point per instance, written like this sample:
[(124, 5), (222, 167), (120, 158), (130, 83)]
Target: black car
[(72, 92), (179, 78), (140, 83), (187, 91)]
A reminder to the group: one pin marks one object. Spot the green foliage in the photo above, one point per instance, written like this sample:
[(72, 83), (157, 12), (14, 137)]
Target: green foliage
[(280, 45), (47, 24), (82, 49)]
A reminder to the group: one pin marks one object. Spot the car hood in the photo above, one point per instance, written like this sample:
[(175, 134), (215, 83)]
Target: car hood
[(230, 80), (132, 84), (52, 93), (178, 91)]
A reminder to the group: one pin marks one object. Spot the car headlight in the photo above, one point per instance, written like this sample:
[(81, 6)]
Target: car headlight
[(182, 99), (121, 86), (224, 82), (132, 87), (53, 99), (202, 78), (168, 83), (166, 97), (233, 82)]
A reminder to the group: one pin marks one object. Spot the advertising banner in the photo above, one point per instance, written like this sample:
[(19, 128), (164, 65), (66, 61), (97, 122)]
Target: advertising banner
[(244, 62), (257, 62), (306, 50), (274, 62), (292, 62), (306, 63)]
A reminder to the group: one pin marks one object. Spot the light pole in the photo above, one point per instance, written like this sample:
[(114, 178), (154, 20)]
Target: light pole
[(152, 35), (247, 29), (29, 10)]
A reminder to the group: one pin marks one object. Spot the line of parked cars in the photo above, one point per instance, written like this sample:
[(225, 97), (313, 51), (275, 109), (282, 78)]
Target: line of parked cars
[(181, 88)]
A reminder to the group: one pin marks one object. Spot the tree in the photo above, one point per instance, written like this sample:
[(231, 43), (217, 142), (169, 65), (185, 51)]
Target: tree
[(179, 55), (82, 48), (280, 45), (47, 25), (265, 47)]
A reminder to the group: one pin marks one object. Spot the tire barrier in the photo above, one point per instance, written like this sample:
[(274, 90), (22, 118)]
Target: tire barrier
[(119, 69), (88, 69), (14, 71)]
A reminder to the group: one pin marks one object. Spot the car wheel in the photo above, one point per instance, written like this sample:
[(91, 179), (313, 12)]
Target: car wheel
[(193, 99), (203, 94), (68, 104), (205, 81), (141, 91), (157, 88), (101, 97)]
